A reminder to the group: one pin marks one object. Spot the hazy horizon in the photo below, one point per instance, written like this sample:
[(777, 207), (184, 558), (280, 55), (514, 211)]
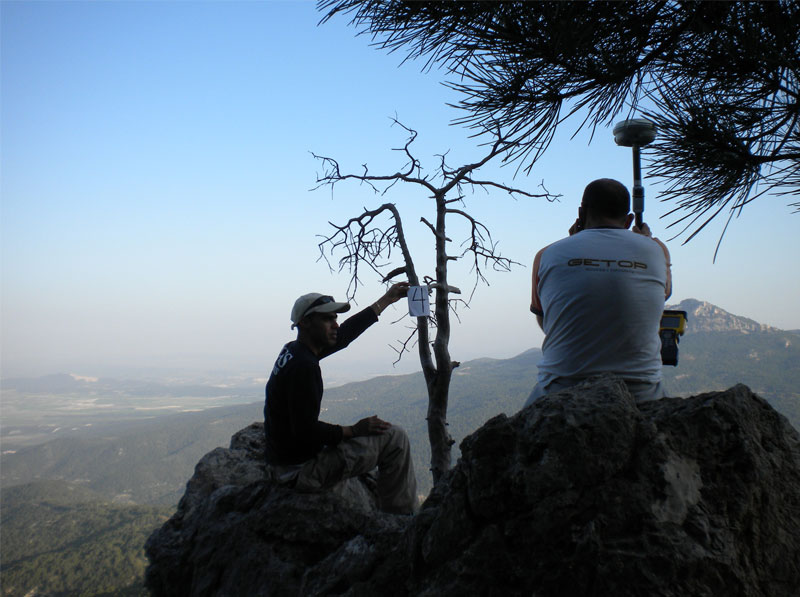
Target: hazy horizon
[(191, 369)]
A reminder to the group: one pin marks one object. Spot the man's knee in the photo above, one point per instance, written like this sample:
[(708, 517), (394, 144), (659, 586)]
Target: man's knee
[(398, 437)]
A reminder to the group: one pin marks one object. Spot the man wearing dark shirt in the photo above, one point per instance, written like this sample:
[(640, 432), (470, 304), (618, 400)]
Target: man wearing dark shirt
[(312, 455)]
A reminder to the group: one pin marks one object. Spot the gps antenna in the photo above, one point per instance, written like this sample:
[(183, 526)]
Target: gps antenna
[(635, 133)]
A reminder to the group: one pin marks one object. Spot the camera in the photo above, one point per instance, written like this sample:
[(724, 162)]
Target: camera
[(673, 324)]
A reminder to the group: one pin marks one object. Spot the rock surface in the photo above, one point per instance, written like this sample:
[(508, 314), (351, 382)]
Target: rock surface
[(237, 533), (584, 493)]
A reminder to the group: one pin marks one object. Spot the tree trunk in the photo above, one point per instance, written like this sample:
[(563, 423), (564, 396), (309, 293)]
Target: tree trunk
[(439, 388), (437, 408), (423, 341)]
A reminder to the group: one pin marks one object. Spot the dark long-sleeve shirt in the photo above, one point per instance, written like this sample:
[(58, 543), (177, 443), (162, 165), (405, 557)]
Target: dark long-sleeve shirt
[(293, 430)]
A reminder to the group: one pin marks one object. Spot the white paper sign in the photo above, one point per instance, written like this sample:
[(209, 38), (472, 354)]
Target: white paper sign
[(418, 303)]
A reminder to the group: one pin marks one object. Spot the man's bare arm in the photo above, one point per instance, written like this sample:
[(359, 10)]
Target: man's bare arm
[(536, 304), (645, 231)]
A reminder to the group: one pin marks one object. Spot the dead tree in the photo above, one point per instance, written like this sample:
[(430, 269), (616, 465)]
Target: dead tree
[(373, 238)]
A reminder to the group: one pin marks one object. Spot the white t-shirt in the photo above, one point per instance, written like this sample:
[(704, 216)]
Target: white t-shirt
[(602, 293)]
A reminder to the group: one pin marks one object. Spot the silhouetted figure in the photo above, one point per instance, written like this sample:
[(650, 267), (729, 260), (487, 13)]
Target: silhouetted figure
[(598, 294), (312, 455)]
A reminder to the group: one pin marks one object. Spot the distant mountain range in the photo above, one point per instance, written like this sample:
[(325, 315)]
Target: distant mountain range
[(705, 317), (90, 479), (148, 461), (720, 349)]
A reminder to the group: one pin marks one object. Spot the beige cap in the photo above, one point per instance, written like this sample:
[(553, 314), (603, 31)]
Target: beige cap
[(315, 302)]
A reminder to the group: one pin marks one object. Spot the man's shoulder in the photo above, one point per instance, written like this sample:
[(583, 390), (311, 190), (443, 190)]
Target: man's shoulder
[(603, 236), (642, 242), (599, 240), (563, 242), (294, 358), (542, 251)]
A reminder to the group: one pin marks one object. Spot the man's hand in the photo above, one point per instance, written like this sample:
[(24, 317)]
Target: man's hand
[(576, 227), (394, 294), (645, 231), (367, 426)]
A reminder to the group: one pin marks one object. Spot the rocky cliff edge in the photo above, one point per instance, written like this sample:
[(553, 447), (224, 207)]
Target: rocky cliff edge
[(584, 493)]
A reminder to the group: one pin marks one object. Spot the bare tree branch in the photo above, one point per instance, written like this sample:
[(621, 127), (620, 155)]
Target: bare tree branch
[(372, 241)]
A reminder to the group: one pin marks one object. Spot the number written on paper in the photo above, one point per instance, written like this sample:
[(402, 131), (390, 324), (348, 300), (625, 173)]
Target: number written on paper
[(418, 303)]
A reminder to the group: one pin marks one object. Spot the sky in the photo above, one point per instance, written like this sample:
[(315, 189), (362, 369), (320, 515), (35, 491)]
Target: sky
[(157, 205)]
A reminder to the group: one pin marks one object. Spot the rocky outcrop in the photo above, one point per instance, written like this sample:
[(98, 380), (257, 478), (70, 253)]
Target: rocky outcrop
[(583, 493), (702, 316), (237, 533)]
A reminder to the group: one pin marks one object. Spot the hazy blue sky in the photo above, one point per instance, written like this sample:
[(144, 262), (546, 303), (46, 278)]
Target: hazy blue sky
[(156, 204)]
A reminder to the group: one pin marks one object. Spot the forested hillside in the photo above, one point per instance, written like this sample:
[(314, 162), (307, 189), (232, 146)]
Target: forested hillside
[(767, 362), (143, 462), (62, 539), (720, 350)]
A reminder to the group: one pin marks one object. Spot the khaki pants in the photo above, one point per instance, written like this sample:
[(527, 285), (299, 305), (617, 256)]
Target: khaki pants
[(390, 452)]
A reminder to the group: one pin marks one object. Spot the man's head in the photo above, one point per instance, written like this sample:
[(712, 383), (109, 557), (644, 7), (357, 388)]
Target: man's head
[(605, 201), (314, 315)]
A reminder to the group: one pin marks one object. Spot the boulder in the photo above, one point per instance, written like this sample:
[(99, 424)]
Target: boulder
[(585, 493), (235, 532)]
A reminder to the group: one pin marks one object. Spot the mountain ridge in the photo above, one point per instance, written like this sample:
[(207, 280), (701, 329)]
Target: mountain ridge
[(702, 316), (148, 461), (707, 317)]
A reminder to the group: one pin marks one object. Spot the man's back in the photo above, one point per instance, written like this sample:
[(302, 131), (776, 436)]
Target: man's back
[(602, 292)]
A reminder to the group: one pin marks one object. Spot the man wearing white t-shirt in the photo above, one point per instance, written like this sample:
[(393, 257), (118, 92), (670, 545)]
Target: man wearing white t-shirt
[(598, 295)]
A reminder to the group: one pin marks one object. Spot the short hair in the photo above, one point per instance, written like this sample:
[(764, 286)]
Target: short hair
[(606, 197)]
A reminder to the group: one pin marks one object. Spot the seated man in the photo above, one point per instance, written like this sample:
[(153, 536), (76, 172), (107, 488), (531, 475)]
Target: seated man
[(312, 455), (598, 295)]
